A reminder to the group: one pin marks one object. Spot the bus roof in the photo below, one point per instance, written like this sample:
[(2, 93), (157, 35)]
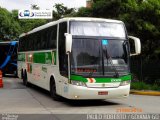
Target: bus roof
[(69, 19)]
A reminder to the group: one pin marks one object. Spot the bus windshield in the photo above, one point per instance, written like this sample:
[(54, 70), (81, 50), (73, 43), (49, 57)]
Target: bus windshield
[(88, 57), (89, 28)]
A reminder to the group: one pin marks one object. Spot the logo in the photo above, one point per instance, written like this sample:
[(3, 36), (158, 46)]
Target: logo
[(115, 80), (35, 14), (26, 13)]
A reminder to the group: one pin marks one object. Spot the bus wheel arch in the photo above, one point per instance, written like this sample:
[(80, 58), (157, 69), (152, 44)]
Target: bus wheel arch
[(53, 89)]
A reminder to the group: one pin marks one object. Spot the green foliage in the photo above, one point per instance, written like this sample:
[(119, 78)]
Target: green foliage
[(29, 24), (144, 86), (139, 86), (61, 11), (9, 28), (84, 12), (155, 87)]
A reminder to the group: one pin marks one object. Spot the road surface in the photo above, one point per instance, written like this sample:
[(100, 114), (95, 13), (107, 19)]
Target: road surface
[(16, 98)]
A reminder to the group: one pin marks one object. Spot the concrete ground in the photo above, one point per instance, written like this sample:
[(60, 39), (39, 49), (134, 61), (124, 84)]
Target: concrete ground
[(16, 98)]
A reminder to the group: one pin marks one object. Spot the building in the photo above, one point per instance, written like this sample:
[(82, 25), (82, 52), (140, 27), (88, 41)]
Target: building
[(89, 3)]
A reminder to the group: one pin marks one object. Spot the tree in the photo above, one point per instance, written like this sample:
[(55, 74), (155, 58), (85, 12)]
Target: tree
[(35, 7), (61, 11), (9, 28), (27, 24)]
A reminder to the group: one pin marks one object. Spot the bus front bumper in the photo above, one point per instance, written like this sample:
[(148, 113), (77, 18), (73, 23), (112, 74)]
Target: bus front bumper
[(80, 92)]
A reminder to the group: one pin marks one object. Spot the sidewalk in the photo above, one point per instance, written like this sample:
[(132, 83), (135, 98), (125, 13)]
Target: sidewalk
[(145, 92)]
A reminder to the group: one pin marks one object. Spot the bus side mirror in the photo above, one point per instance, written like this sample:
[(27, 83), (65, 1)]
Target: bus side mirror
[(137, 45), (68, 42)]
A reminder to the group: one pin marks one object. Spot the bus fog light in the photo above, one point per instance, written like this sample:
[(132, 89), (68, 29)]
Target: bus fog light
[(123, 83), (78, 83), (76, 96)]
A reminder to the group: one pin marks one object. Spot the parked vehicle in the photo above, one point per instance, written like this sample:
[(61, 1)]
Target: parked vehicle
[(8, 57)]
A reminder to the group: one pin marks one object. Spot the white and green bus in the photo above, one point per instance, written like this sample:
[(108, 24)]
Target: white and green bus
[(78, 58)]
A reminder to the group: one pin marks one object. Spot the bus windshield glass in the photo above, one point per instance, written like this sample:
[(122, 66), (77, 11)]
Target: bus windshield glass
[(89, 28), (89, 57)]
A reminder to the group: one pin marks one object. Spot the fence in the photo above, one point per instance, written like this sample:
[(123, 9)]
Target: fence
[(146, 71)]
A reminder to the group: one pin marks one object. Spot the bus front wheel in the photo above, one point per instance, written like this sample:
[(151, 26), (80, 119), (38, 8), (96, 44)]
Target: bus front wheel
[(53, 90)]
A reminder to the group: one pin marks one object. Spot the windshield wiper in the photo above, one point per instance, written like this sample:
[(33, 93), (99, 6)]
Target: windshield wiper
[(111, 61)]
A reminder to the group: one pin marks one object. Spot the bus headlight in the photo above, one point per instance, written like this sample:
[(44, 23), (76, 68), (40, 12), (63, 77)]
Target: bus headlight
[(78, 83), (123, 83)]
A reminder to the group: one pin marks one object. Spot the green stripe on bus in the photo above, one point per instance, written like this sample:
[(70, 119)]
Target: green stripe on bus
[(78, 78), (39, 57), (101, 80), (42, 57), (54, 57), (21, 57)]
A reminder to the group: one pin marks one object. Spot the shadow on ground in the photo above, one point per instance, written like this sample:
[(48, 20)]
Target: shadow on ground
[(73, 103)]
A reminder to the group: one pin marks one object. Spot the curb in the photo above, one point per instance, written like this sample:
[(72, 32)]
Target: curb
[(151, 93)]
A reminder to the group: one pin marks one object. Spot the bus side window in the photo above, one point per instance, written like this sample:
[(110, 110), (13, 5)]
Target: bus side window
[(20, 44), (35, 45), (61, 48), (30, 42), (48, 38), (39, 40), (26, 43), (53, 37), (43, 40)]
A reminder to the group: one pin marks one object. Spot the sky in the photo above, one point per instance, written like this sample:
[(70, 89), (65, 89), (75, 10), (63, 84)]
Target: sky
[(43, 4)]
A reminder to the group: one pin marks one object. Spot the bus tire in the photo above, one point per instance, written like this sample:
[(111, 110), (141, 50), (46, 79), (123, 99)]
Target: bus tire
[(53, 90), (25, 81)]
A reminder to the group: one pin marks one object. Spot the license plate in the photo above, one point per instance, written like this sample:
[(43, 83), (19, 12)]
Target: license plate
[(103, 93)]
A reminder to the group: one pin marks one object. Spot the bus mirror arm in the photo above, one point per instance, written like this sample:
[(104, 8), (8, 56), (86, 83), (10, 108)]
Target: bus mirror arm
[(137, 45), (68, 42), (68, 45)]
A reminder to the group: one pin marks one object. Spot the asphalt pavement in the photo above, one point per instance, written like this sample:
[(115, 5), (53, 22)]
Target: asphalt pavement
[(16, 98)]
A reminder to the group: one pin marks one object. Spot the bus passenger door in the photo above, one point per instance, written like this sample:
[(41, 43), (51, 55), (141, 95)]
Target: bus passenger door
[(62, 56)]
